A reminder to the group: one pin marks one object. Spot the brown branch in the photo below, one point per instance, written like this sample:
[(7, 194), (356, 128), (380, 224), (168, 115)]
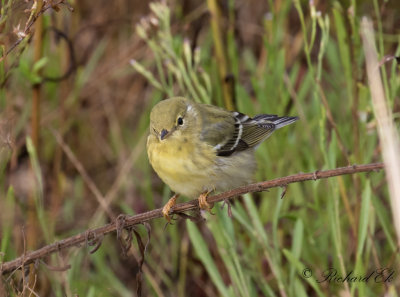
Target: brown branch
[(129, 221), (26, 33)]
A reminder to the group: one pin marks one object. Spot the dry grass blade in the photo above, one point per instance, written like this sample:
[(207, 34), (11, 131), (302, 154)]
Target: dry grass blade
[(388, 136)]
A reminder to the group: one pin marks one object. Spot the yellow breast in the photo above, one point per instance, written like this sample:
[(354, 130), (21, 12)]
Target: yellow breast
[(184, 167)]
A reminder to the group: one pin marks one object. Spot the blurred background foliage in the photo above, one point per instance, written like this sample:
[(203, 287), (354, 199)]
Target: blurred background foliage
[(99, 68)]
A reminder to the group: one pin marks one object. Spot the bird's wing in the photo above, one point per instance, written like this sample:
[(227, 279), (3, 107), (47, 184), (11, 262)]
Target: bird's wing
[(238, 132), (249, 132)]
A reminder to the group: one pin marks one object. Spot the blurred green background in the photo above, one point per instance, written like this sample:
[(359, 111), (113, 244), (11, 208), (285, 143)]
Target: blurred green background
[(93, 78)]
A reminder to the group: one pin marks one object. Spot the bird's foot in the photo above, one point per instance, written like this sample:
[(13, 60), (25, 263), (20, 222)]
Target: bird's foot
[(203, 204), (167, 207)]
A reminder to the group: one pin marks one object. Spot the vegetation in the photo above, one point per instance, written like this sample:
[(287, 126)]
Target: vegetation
[(74, 114)]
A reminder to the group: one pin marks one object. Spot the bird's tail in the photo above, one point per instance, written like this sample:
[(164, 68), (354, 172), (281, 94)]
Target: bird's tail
[(279, 122)]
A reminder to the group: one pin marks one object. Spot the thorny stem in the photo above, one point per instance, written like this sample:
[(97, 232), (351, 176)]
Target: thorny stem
[(129, 221)]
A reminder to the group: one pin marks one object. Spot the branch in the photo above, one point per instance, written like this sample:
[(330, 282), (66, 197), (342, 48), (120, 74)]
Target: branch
[(95, 235)]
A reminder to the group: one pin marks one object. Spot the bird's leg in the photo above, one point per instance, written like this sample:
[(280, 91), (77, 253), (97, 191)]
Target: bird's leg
[(203, 204), (167, 207)]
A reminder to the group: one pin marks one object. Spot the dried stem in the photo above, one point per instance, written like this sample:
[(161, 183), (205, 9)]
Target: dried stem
[(388, 135), (33, 231), (129, 221)]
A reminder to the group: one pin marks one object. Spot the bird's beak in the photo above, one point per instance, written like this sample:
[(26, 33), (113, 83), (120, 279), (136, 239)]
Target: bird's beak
[(164, 134)]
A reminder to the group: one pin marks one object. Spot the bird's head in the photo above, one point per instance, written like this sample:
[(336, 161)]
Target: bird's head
[(172, 117)]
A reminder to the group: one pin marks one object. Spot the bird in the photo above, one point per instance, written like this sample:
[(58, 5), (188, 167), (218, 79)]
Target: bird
[(199, 148)]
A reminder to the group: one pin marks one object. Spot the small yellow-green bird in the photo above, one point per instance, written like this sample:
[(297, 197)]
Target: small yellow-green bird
[(198, 148)]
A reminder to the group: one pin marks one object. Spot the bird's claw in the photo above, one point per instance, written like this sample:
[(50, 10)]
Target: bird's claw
[(203, 204), (167, 208)]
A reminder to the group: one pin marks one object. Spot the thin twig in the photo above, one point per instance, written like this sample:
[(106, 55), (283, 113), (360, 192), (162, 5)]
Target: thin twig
[(129, 221), (26, 33), (82, 171)]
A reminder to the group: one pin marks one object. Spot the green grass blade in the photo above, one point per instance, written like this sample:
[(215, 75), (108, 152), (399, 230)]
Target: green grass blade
[(203, 253)]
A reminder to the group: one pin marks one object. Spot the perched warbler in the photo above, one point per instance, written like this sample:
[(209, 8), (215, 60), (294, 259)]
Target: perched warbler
[(197, 148)]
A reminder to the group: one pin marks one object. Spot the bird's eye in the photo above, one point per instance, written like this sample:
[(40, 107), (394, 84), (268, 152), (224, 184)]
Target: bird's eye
[(180, 121)]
